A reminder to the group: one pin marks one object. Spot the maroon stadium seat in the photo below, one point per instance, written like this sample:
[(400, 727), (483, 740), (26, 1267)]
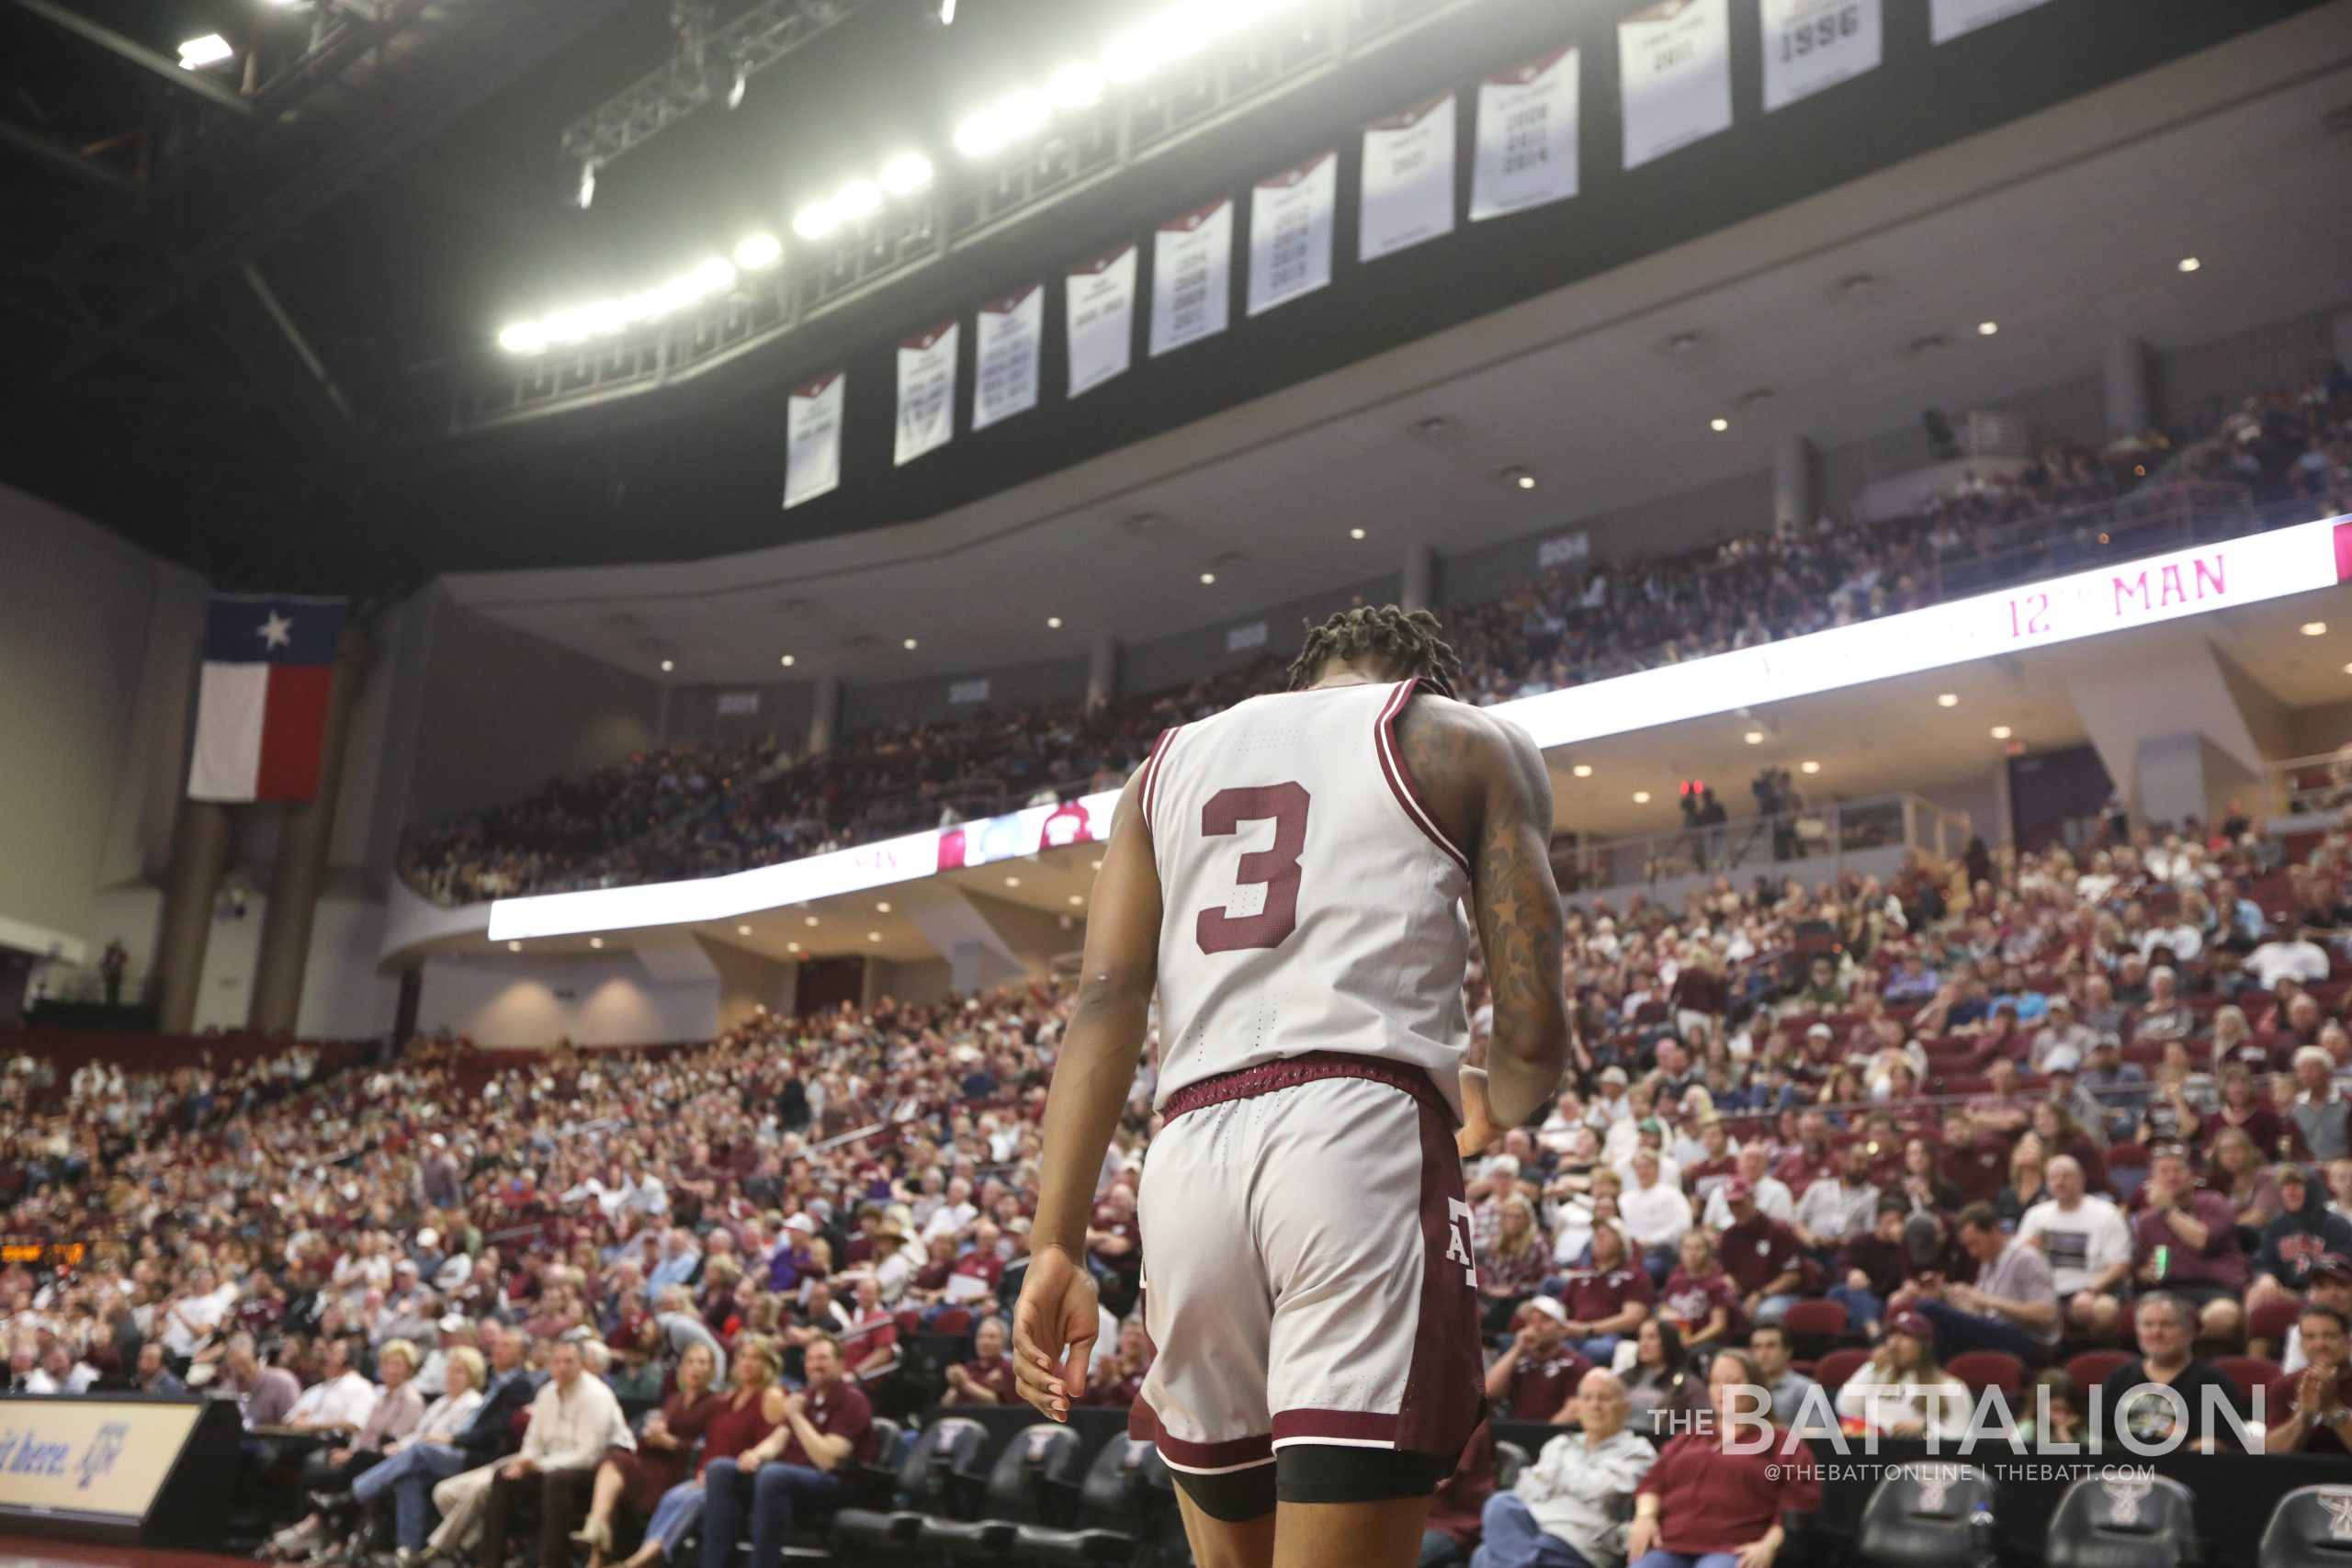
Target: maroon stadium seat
[(1816, 1320), (1838, 1366), (2247, 1374), (2273, 1318), (1980, 1369), (2091, 1368)]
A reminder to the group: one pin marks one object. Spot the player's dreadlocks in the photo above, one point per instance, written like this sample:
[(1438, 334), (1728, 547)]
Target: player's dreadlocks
[(1407, 640)]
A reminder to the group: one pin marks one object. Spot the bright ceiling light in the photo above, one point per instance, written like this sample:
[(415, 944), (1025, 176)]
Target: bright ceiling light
[(1719, 424), (759, 251), (2002, 732), (1808, 767), (1582, 769), (199, 52), (1077, 898), (668, 665), (1754, 738), (882, 906), (1012, 882), (742, 930), (514, 947), (1527, 481), (907, 172), (2314, 628), (816, 221), (909, 645), (2190, 264), (1054, 622), (792, 947), (1948, 700), (1208, 577), (809, 920), (524, 337), (1075, 87), (857, 198), (873, 936), (1355, 533), (595, 942), (787, 661), (979, 135), (1987, 329), (1641, 797)]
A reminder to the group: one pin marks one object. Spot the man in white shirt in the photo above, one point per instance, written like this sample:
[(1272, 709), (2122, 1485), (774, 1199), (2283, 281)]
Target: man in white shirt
[(189, 1321), (1655, 1214), (1772, 1194), (1578, 1491), (2088, 1244), (1837, 1208), (59, 1372), (574, 1418), (340, 1400), (953, 1215), (2299, 959)]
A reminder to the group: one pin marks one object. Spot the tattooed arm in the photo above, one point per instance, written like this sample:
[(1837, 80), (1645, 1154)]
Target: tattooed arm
[(1485, 782)]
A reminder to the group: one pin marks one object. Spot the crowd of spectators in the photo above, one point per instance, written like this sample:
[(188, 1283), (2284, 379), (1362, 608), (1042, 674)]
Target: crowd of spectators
[(700, 810)]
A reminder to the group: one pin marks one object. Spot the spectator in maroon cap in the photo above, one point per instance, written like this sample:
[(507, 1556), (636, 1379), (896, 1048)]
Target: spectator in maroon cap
[(1762, 1255), (1715, 1496), (1537, 1376)]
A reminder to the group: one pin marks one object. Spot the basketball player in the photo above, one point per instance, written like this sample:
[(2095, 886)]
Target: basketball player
[(1291, 874)]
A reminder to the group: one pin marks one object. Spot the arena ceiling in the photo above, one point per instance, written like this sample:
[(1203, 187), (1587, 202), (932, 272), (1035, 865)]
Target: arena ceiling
[(2066, 230)]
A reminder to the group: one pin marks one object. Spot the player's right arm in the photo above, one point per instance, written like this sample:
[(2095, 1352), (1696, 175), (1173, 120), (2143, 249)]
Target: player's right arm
[(1517, 906), (1057, 1319)]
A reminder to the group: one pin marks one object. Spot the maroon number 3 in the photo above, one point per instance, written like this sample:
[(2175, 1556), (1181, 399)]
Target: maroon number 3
[(1276, 866)]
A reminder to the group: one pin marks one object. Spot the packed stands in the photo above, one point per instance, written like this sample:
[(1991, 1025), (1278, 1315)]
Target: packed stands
[(697, 811)]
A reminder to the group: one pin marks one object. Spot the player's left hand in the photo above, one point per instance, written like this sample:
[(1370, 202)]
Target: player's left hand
[(1057, 1311), (1478, 1133)]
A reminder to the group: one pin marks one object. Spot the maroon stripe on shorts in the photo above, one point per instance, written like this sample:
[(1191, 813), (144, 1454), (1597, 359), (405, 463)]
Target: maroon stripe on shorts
[(1143, 1423), (1346, 1426), (1244, 1083), (1445, 1381)]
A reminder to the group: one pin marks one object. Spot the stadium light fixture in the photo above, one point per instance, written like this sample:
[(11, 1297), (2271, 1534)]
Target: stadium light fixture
[(873, 936), (1582, 769), (1987, 329), (1012, 882), (2314, 628), (1355, 533), (1641, 797), (907, 173), (787, 661), (882, 906), (2002, 732), (199, 52), (1808, 767), (596, 942), (668, 665), (1948, 700), (809, 920), (2190, 264), (1527, 481), (909, 645), (1075, 87), (1054, 622), (524, 337), (742, 930), (1207, 578), (1754, 738), (816, 221), (514, 947), (1719, 424), (759, 251), (1077, 898), (857, 199), (587, 184), (792, 947)]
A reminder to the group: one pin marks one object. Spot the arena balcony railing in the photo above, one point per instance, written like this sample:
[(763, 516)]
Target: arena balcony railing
[(1815, 840)]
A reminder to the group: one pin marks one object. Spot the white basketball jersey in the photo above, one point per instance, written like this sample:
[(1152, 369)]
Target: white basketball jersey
[(1312, 902)]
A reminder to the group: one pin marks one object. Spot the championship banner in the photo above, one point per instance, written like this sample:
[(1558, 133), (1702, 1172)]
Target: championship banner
[(1289, 232), (1191, 271), (926, 392), (1674, 68), (1813, 44), (261, 709), (1098, 300), (1949, 20), (1408, 179), (812, 440), (1007, 336), (1526, 153)]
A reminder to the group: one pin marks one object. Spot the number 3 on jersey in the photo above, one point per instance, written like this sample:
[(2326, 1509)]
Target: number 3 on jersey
[(1275, 866)]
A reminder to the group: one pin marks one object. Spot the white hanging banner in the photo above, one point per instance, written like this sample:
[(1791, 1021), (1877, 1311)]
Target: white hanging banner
[(1674, 69), (812, 440), (1099, 299), (1813, 44), (1192, 273), (1948, 19), (1408, 179), (1289, 232), (1007, 336), (926, 392), (1527, 137)]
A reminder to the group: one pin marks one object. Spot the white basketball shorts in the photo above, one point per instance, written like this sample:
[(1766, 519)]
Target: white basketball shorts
[(1306, 1270)]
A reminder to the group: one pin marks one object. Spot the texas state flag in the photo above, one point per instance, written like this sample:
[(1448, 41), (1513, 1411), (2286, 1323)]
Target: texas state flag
[(262, 711)]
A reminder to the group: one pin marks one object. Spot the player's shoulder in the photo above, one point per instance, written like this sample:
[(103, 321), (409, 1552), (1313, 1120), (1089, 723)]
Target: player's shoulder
[(1441, 733)]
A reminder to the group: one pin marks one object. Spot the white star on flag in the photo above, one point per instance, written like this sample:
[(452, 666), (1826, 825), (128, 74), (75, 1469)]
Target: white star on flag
[(274, 632)]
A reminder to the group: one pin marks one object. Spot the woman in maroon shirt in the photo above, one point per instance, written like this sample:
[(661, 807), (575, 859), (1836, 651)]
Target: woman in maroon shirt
[(1715, 1497), (665, 1445), (735, 1422)]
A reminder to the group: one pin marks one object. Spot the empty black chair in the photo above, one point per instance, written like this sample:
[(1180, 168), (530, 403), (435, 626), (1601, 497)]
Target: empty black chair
[(1510, 1459), (939, 1479), (2124, 1521), (1922, 1516), (2311, 1527), (1029, 1484), (1124, 1490)]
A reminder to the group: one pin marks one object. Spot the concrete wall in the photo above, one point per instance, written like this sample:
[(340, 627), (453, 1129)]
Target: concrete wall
[(927, 700), (599, 1000), (1175, 661), (783, 711)]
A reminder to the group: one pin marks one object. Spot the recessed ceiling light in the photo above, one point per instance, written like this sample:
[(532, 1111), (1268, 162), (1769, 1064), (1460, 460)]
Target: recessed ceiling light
[(1208, 577), (873, 936), (1754, 738), (595, 942), (1948, 700), (1719, 424), (1054, 622), (2348, 670), (1527, 481), (668, 665), (809, 920), (909, 645), (2314, 628), (1098, 862), (742, 930), (1077, 898), (1012, 882), (1582, 769), (1355, 533), (514, 947), (2190, 264), (787, 661), (2002, 732), (1641, 797), (792, 947), (1987, 329), (1809, 767), (882, 908)]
